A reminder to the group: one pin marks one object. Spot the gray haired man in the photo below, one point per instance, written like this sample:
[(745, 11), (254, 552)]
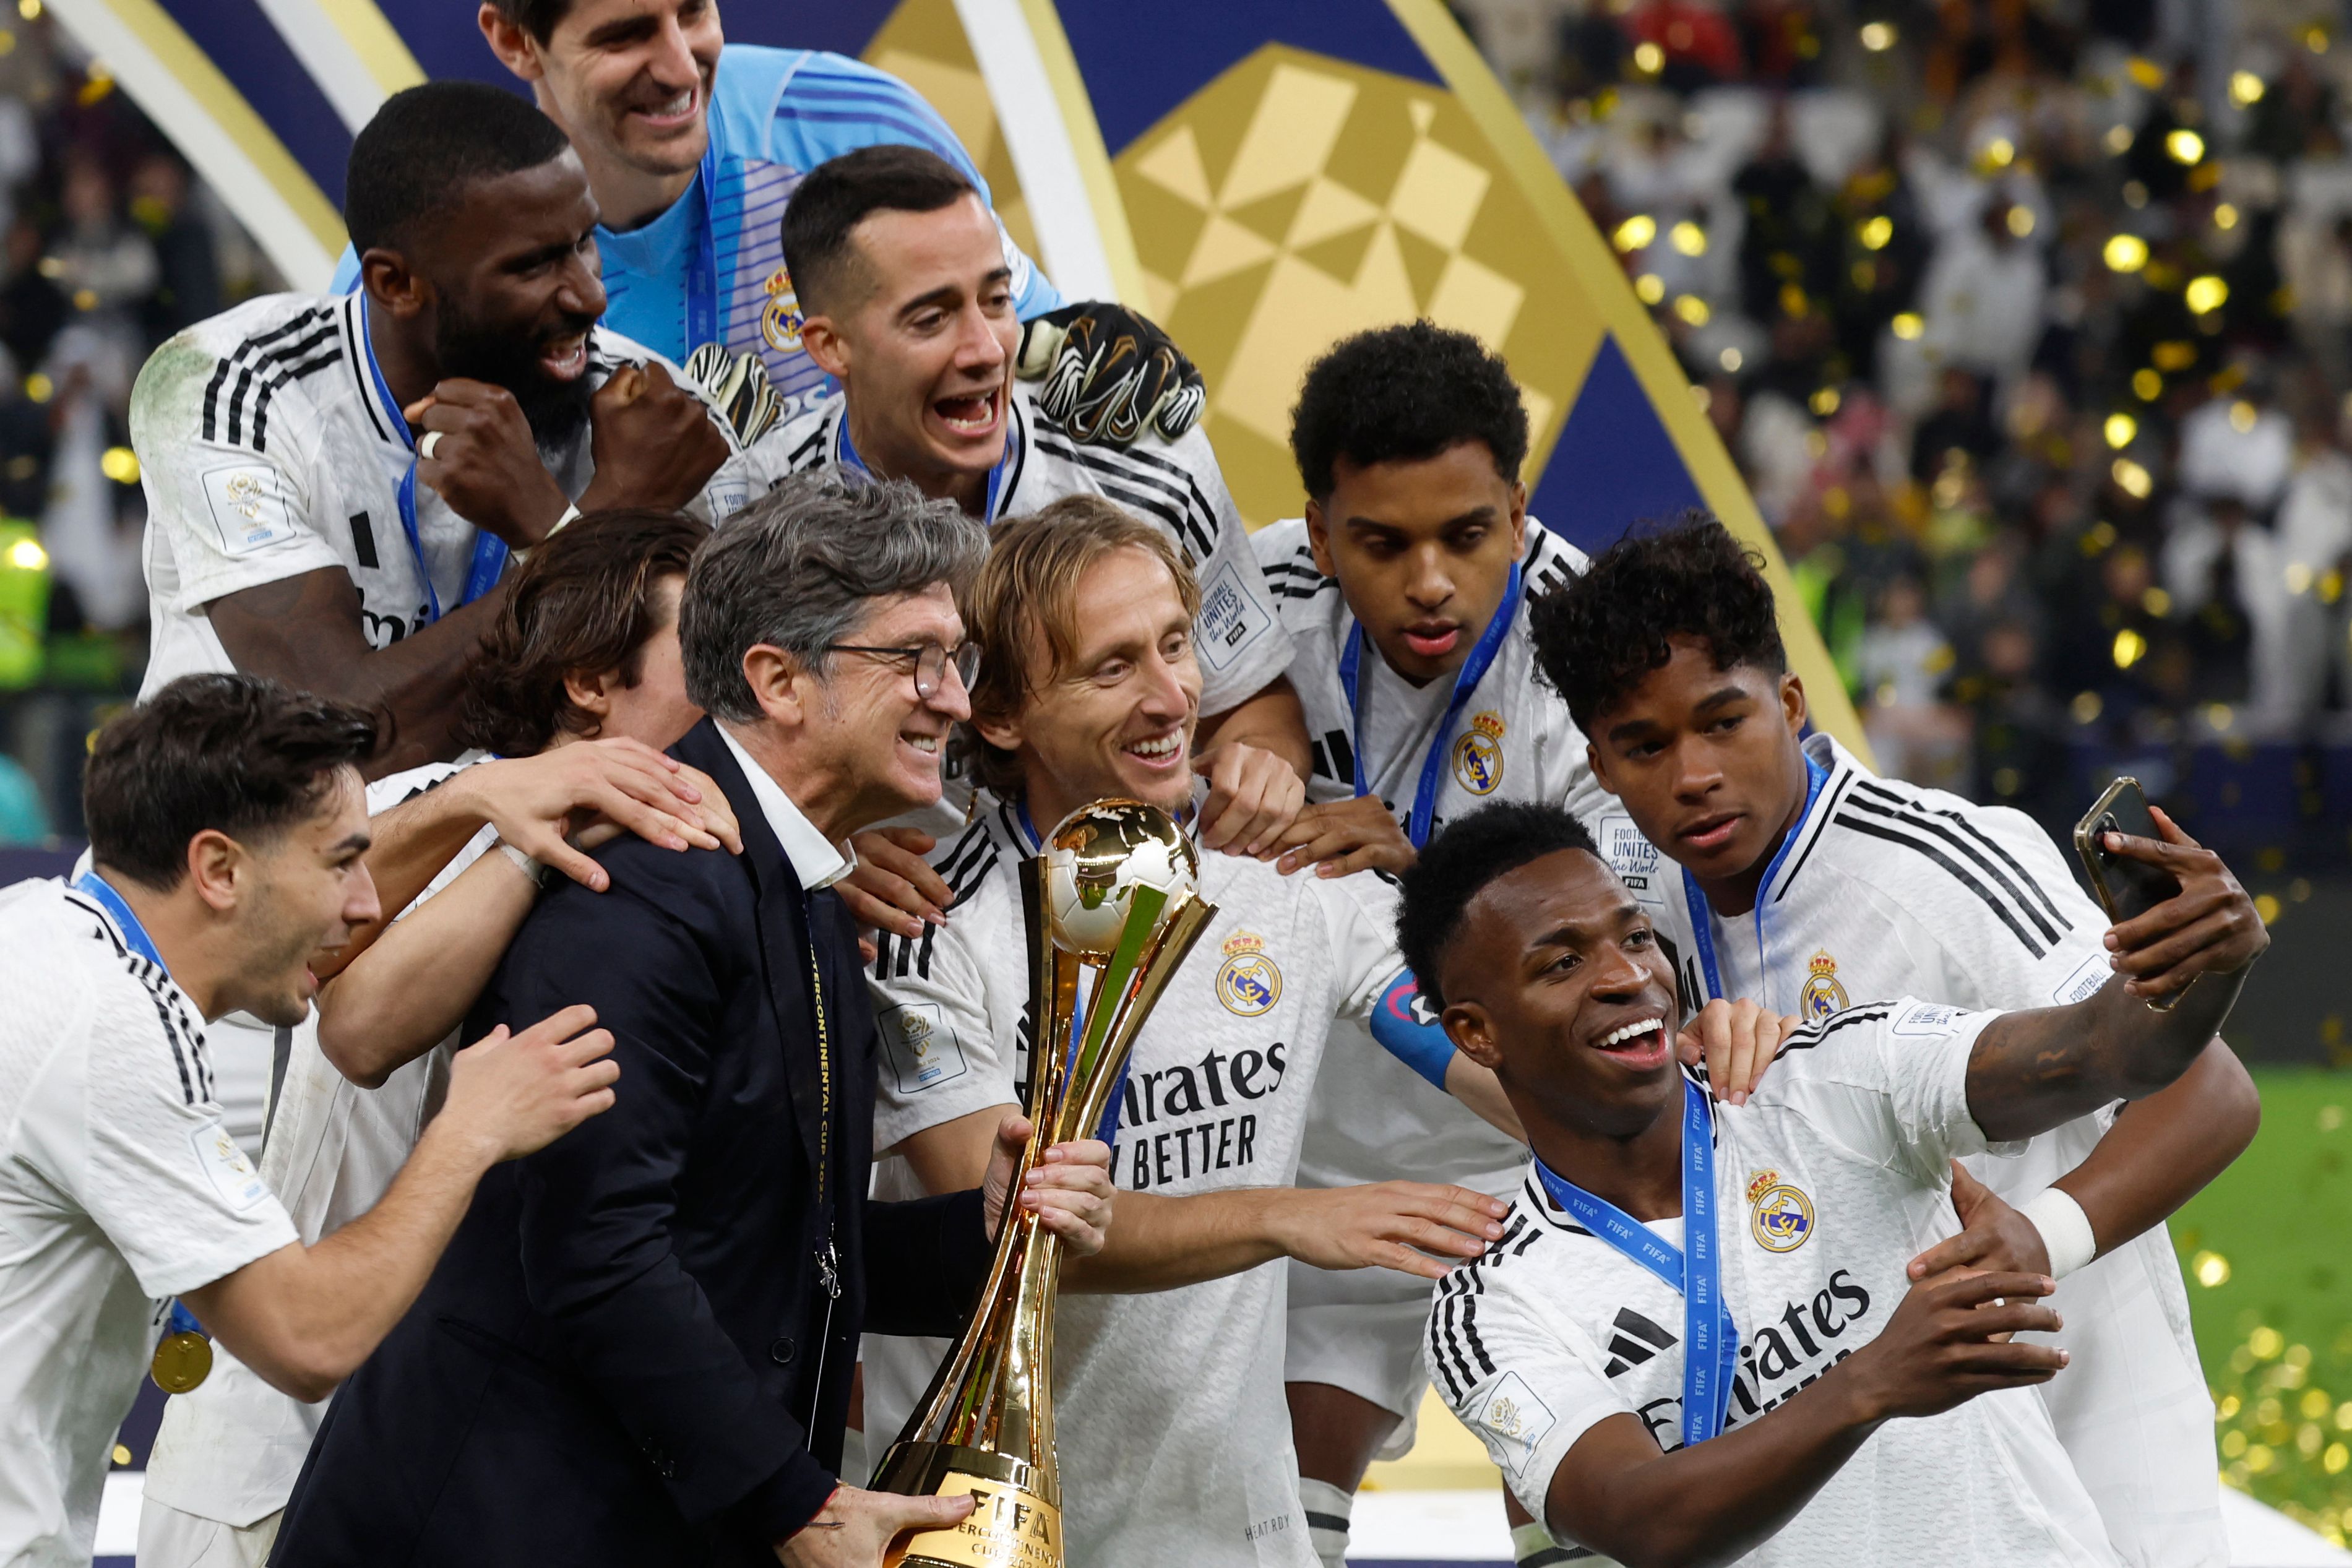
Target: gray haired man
[(639, 1353)]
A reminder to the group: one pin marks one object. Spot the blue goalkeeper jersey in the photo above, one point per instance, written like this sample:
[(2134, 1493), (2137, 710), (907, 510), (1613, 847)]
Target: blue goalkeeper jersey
[(712, 266)]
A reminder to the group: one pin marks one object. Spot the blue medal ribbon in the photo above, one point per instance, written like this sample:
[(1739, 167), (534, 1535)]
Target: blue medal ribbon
[(1466, 684), (702, 267), (134, 935), (1702, 917), (846, 454), (489, 550), (1710, 1339)]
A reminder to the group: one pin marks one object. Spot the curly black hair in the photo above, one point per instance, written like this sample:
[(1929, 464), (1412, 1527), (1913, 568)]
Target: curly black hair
[(1408, 393), (1470, 851), (1600, 635)]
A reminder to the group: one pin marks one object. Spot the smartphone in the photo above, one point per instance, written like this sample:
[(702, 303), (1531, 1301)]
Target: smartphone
[(2127, 888)]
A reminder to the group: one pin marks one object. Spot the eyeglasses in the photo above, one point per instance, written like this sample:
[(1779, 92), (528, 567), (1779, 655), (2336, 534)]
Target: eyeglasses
[(929, 660)]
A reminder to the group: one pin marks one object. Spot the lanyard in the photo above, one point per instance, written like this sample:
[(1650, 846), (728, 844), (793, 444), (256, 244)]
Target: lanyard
[(489, 550), (1710, 1339), (133, 933), (1702, 918), (702, 266), (1465, 683), (846, 454)]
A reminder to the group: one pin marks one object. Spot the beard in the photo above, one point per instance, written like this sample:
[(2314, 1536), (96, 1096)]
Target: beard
[(557, 411)]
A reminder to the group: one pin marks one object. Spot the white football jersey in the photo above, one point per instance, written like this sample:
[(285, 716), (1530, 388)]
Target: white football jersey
[(1237, 636), (1828, 1182), (268, 451), (230, 1450), (1173, 1428), (1886, 889)]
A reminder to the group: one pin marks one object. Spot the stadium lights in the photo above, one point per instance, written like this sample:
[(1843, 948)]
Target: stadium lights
[(2119, 140), (2131, 479), (2206, 294), (27, 555), (1689, 238), (2000, 152), (2021, 219), (2126, 253), (1691, 309), (1875, 232), (1648, 59), (2184, 146), (2147, 384), (2241, 416), (29, 9), (1909, 326), (1649, 287), (120, 464), (1635, 233), (2129, 647), (2120, 430), (2245, 88), (1878, 36), (1824, 402), (2225, 217), (1731, 359)]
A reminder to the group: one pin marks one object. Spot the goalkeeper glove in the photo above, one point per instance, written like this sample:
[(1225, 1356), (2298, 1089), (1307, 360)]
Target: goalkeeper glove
[(1109, 375)]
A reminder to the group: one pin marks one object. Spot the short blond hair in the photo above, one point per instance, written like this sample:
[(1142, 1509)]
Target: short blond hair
[(1030, 582)]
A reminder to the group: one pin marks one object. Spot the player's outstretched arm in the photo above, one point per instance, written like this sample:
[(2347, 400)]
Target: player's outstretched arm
[(2031, 1071), (305, 1316), (1166, 1243), (1618, 1495)]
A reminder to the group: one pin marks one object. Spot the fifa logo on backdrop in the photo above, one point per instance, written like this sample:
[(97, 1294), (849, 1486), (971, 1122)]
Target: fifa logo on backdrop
[(1780, 1217), (781, 318), (1822, 995), (1249, 983), (1478, 754)]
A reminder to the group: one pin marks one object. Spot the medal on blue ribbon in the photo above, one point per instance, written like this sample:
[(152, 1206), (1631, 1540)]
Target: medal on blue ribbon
[(184, 1356), (1465, 685), (1710, 1340), (1702, 917), (489, 550)]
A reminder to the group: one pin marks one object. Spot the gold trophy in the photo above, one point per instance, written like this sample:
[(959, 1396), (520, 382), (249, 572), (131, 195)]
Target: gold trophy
[(1115, 892)]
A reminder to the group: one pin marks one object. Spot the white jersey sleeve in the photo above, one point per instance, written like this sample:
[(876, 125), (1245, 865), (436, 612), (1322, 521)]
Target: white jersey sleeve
[(2002, 972), (1886, 1083), (1524, 1378), (949, 1046), (219, 421), (123, 1127), (1360, 912)]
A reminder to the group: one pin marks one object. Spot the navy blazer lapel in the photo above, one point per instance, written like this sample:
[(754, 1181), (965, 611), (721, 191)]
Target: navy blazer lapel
[(781, 913)]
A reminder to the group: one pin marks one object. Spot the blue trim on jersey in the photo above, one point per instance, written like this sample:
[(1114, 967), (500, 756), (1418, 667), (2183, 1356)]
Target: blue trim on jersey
[(1694, 1270), (1420, 1043), (1701, 916), (134, 935)]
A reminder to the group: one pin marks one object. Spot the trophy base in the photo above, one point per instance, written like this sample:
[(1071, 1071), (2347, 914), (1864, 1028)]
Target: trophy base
[(1011, 1524)]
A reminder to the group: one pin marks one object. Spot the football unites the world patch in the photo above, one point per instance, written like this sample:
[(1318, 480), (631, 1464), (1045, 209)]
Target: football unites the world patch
[(1822, 995), (1249, 982), (1779, 1215), (1478, 754)]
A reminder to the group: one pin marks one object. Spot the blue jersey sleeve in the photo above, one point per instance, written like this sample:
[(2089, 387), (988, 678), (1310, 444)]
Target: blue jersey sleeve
[(1403, 1026)]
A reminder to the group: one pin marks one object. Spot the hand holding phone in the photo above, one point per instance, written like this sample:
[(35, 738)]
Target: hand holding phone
[(2178, 911)]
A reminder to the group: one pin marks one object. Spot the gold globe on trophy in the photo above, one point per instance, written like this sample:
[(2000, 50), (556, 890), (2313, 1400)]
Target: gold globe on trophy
[(1117, 894)]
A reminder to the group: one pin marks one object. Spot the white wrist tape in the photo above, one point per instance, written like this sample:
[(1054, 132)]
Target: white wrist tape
[(523, 863), (2066, 1230)]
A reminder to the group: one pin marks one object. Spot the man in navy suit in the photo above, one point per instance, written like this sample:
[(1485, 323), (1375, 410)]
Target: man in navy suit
[(637, 1349)]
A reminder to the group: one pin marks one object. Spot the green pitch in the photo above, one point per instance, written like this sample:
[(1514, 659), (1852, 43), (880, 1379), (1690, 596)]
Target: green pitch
[(2267, 1252)]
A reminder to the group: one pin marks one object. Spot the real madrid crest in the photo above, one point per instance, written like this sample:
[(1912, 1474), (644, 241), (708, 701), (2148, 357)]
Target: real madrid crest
[(1478, 754), (1778, 1216), (780, 319), (1249, 982), (1822, 995)]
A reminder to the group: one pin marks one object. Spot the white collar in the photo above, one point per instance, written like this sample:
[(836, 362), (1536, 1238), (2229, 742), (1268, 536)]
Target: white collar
[(816, 860)]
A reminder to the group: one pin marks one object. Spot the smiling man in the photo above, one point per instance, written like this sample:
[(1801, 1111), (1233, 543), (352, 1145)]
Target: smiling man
[(334, 484), (910, 304), (228, 832), (1785, 872), (1697, 1340)]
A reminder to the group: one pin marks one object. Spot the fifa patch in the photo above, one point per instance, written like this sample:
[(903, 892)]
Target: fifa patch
[(1633, 858), (1249, 982), (922, 1048), (1478, 754), (248, 507), (781, 318), (2084, 983), (233, 1175), (1822, 995), (1778, 1216), (1511, 1421), (1924, 1020), (1228, 623)]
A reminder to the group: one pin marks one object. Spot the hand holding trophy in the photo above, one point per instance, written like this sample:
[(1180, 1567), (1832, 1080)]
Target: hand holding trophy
[(1115, 894)]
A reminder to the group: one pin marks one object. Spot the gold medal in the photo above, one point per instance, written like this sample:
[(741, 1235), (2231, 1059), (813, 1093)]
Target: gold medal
[(183, 1360)]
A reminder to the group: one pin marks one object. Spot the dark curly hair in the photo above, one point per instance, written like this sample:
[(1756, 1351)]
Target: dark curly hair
[(1407, 392), (1600, 635), (585, 603), (1470, 851)]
